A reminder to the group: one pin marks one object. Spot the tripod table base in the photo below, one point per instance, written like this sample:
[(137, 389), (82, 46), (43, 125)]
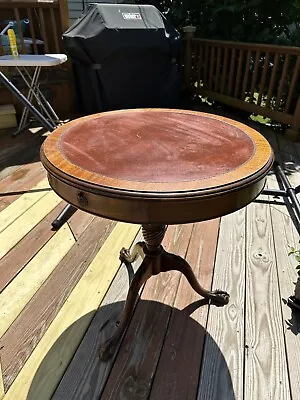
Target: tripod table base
[(155, 260)]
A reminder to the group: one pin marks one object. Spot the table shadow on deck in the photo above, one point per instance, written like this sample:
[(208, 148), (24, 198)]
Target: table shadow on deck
[(141, 390)]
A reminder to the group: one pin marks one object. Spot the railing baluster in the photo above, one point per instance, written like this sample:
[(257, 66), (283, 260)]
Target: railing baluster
[(43, 29), (54, 29), (294, 80), (205, 81), (218, 67), (211, 68), (282, 80), (224, 70), (239, 73), (192, 61), (231, 73), (32, 33), (196, 62), (263, 78), (20, 33), (254, 77), (200, 61), (272, 80), (245, 81)]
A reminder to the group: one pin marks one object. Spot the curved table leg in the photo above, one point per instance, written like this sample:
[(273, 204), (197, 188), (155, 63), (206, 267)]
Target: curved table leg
[(156, 260), (171, 262), (144, 272)]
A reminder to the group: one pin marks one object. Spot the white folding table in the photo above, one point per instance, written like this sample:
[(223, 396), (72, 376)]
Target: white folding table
[(45, 112)]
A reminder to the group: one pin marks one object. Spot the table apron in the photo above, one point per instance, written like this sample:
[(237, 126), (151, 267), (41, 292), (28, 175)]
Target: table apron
[(157, 211)]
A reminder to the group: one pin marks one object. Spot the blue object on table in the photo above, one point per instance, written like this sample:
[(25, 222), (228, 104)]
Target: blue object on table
[(15, 26)]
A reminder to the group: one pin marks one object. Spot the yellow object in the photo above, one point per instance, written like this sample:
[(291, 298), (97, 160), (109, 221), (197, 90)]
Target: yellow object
[(13, 43)]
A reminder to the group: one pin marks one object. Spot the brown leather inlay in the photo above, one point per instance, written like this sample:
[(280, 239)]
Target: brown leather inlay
[(154, 146)]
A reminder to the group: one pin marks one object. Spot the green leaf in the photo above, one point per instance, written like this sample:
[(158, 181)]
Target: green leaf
[(298, 267), (297, 258)]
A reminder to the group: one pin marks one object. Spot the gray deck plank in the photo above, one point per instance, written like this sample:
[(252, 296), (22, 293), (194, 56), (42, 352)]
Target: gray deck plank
[(222, 366), (179, 365), (266, 375), (286, 235)]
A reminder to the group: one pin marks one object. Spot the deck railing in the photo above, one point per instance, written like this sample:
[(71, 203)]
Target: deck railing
[(46, 21), (261, 79), (39, 25)]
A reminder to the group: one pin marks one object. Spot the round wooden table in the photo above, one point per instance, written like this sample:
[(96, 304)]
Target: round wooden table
[(156, 167)]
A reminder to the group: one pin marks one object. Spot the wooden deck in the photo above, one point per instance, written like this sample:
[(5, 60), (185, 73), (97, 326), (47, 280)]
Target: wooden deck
[(61, 294)]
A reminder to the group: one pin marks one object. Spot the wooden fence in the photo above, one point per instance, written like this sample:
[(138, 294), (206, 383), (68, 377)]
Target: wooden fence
[(42, 33), (261, 79)]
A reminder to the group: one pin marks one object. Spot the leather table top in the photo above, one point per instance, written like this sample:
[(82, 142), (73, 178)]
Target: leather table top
[(157, 154)]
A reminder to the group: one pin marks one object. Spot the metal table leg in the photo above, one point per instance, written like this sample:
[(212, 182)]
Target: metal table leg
[(32, 82), (40, 98), (24, 117), (66, 213), (288, 191), (38, 115)]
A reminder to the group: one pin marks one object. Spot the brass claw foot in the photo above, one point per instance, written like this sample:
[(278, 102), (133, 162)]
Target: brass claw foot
[(219, 298), (131, 255)]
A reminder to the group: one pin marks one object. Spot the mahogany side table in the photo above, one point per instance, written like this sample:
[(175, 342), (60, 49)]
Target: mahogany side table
[(156, 167)]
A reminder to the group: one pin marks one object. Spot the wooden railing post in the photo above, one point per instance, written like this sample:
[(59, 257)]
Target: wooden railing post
[(293, 133), (64, 15), (187, 72)]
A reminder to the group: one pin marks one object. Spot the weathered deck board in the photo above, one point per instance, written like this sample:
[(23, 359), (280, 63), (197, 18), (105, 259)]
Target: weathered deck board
[(223, 360), (133, 372), (15, 296), (86, 375), (79, 222), (43, 370), (13, 144), (16, 259), (11, 152), (14, 233), (21, 180), (11, 159), (265, 360), (24, 333), (1, 383), (285, 235), (178, 369), (22, 204)]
